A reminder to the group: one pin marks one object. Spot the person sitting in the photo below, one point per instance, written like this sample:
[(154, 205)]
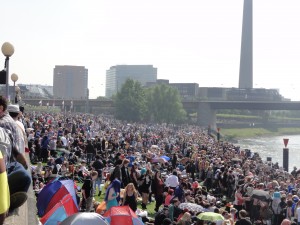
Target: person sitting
[(174, 210), (19, 179), (179, 192), (169, 197), (161, 216), (130, 197), (185, 219), (244, 220)]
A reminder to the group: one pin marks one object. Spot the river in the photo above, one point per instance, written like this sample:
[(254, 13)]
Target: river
[(273, 147)]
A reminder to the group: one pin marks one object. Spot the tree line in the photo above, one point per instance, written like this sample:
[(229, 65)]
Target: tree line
[(160, 103)]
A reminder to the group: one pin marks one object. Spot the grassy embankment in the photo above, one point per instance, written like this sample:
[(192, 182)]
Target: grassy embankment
[(254, 132), (235, 133), (150, 206)]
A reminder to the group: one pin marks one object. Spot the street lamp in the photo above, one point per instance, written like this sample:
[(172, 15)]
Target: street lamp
[(17, 97), (14, 77), (7, 50)]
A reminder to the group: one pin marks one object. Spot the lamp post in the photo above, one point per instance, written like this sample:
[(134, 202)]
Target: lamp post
[(7, 50), (17, 97), (14, 77)]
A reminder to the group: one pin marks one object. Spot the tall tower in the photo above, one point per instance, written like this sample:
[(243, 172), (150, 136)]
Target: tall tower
[(246, 60)]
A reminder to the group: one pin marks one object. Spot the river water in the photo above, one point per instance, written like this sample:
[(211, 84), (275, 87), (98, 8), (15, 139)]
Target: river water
[(273, 147)]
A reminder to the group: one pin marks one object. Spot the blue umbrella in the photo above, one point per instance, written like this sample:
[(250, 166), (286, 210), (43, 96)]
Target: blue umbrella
[(165, 157)]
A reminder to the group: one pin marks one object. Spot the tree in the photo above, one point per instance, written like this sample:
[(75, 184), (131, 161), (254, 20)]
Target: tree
[(164, 104), (130, 102)]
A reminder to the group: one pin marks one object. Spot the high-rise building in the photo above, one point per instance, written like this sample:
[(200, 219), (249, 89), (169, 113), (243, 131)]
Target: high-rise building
[(116, 76), (70, 82)]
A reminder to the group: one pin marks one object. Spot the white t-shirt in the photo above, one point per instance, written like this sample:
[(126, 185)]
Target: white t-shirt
[(64, 141), (172, 181)]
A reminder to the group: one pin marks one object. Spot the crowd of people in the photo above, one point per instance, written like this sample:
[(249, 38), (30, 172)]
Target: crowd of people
[(184, 169)]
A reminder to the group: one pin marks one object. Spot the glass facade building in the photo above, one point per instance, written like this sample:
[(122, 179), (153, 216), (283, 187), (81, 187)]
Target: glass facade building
[(116, 76)]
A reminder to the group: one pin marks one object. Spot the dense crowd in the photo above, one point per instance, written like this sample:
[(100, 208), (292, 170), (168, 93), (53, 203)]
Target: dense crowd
[(184, 169)]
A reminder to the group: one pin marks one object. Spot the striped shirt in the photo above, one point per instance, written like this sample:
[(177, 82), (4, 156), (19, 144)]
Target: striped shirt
[(8, 123)]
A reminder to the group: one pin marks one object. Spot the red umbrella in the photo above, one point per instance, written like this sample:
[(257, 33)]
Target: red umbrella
[(122, 215)]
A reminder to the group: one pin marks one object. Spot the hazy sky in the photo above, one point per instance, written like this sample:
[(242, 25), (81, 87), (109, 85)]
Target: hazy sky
[(195, 41)]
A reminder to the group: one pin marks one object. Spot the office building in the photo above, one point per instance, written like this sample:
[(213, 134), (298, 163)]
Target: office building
[(116, 76), (70, 82)]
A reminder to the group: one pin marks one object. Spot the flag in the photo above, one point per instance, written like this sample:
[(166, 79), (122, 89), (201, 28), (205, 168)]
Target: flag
[(71, 104), (41, 102), (63, 104)]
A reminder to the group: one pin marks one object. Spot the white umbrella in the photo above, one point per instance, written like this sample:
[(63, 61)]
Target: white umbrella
[(154, 146), (191, 207), (84, 218)]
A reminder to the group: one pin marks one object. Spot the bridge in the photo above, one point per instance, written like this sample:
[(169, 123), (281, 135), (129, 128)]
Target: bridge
[(75, 105), (206, 110)]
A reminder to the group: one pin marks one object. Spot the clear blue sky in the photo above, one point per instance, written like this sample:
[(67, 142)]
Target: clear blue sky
[(188, 41)]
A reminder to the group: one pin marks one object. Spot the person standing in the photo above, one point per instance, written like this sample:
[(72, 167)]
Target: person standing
[(144, 185), (238, 199), (112, 196), (98, 166), (45, 146), (174, 161), (134, 175), (87, 191), (158, 190), (125, 173), (14, 112), (90, 151), (172, 180)]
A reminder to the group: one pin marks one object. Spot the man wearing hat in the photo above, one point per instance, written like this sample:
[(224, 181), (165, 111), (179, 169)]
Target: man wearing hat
[(14, 112)]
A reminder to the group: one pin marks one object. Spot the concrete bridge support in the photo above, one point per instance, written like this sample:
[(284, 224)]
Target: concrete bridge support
[(206, 115)]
